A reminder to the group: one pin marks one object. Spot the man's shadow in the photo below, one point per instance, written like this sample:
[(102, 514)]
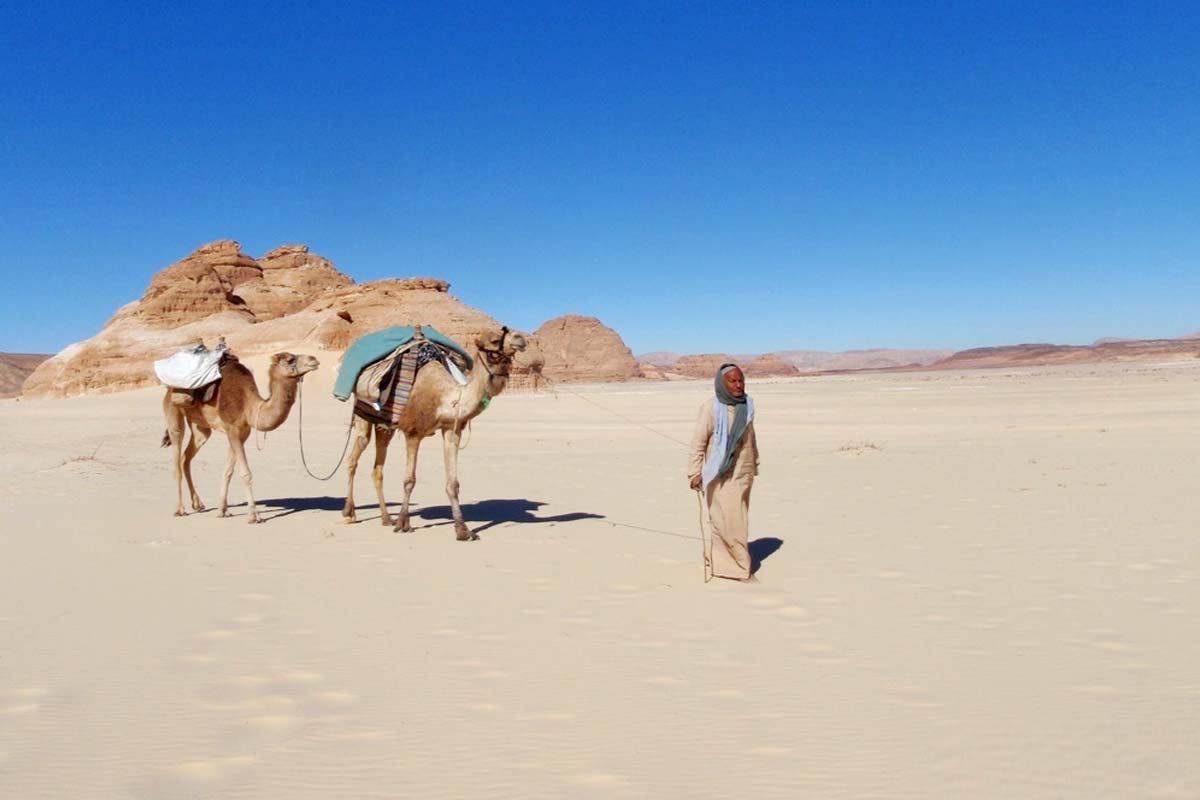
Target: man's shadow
[(497, 512), (761, 549)]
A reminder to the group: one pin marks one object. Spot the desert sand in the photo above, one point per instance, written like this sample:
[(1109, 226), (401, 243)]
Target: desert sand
[(976, 584)]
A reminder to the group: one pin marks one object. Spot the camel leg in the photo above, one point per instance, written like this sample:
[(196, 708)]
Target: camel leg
[(412, 446), (230, 461), (362, 434), (175, 432), (450, 439), (200, 434), (383, 437), (239, 447)]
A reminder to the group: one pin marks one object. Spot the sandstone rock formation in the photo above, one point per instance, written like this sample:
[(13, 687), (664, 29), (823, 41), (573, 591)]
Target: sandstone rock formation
[(577, 348), (701, 366), (14, 369), (289, 299), (768, 364), (706, 365)]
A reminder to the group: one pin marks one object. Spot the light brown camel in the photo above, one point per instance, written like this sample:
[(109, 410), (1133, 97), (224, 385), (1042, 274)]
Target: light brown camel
[(436, 403), (235, 408)]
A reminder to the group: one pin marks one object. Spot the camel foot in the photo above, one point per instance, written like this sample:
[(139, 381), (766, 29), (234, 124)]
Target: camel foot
[(197, 504), (349, 519), (179, 512), (403, 526), (224, 513), (253, 520), (464, 534)]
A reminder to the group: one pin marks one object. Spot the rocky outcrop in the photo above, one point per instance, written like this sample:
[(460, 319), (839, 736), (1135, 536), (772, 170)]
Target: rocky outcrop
[(289, 279), (577, 348), (701, 366), (15, 368), (706, 365), (290, 299), (771, 365)]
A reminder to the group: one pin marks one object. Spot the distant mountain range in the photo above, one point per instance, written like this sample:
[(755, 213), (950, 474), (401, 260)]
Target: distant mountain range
[(787, 362), (662, 364), (1105, 350)]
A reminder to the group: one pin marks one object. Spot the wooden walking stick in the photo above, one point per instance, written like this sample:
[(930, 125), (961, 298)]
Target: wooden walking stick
[(705, 543)]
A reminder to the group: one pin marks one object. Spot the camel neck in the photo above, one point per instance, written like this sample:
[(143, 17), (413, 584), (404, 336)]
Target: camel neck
[(273, 411)]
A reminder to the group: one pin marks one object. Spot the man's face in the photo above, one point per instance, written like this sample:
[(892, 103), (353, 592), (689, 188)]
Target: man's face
[(735, 382)]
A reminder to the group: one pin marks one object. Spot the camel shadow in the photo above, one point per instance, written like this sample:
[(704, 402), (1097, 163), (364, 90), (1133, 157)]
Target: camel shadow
[(498, 512), (761, 549), (293, 505)]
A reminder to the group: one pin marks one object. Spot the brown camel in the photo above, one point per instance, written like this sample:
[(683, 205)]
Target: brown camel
[(235, 408), (436, 403)]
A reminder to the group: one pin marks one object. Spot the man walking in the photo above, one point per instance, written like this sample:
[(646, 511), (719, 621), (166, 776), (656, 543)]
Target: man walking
[(723, 464)]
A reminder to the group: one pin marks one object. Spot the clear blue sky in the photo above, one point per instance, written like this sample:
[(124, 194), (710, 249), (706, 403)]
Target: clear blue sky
[(736, 177)]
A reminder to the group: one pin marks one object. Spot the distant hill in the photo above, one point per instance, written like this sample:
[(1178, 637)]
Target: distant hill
[(1046, 354), (14, 369), (789, 362)]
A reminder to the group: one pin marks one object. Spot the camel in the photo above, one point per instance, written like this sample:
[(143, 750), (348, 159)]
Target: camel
[(235, 408), (436, 403)]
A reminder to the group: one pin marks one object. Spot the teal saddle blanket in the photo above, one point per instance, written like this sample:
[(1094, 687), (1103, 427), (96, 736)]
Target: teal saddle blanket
[(368, 349)]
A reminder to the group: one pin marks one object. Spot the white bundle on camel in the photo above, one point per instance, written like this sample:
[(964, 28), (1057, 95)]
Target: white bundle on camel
[(192, 367)]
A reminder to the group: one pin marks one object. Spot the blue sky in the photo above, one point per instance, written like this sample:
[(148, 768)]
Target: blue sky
[(703, 177)]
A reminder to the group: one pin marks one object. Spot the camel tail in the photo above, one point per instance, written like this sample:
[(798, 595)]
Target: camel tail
[(166, 440)]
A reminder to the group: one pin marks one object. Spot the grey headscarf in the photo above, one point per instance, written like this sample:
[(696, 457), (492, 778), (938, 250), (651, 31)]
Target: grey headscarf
[(740, 415)]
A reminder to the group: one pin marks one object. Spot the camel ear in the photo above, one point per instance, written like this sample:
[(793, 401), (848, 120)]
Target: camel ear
[(275, 359)]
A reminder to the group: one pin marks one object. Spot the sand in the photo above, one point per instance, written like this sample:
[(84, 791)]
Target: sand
[(975, 584)]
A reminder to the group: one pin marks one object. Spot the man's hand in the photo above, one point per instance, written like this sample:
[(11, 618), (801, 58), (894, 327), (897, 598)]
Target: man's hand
[(695, 483)]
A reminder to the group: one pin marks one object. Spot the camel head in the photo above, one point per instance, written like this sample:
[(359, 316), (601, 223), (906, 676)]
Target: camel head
[(497, 349), (288, 365)]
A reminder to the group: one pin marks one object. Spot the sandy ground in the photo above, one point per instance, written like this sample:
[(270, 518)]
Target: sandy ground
[(977, 584)]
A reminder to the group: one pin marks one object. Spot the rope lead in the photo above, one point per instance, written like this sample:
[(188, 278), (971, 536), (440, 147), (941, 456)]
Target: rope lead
[(300, 428)]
